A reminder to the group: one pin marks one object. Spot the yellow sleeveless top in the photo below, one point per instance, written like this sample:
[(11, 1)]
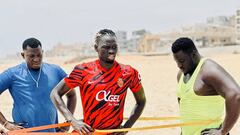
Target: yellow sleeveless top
[(198, 108)]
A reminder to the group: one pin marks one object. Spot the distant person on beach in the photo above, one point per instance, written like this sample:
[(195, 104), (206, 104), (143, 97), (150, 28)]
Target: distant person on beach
[(30, 84), (103, 85), (204, 89)]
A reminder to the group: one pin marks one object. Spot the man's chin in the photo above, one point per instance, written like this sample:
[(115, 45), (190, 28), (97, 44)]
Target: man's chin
[(35, 67), (184, 72), (110, 61)]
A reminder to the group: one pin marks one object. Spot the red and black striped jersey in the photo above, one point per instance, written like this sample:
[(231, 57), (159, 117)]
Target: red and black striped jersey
[(103, 91)]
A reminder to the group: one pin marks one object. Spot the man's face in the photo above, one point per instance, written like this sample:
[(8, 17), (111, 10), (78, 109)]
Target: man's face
[(185, 62), (107, 48), (33, 57)]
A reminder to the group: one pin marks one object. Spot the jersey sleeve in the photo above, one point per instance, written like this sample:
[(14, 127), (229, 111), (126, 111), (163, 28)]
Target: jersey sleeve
[(5, 80), (75, 78), (61, 72), (135, 84)]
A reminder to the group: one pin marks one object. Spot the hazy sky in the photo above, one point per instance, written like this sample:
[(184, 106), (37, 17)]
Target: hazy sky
[(70, 21)]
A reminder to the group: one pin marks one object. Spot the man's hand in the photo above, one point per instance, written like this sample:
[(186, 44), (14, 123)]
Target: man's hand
[(213, 131), (63, 129), (81, 127), (2, 132), (12, 126)]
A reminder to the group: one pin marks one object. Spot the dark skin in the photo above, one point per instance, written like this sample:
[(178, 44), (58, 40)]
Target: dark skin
[(212, 80), (2, 131), (9, 125), (33, 58), (106, 49)]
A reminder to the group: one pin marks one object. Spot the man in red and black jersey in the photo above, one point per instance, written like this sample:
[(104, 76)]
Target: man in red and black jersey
[(103, 85)]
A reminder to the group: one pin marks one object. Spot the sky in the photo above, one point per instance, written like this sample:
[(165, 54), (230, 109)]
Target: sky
[(71, 21)]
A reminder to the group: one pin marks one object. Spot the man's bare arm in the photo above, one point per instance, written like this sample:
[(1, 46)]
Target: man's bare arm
[(138, 109), (222, 82), (56, 97)]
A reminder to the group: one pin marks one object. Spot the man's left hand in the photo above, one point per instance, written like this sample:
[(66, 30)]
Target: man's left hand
[(63, 129), (212, 132), (2, 131)]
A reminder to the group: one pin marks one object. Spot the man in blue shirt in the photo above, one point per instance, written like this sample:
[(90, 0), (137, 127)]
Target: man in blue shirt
[(30, 84)]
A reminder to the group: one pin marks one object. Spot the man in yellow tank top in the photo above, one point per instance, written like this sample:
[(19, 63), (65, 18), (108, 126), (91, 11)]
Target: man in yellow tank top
[(205, 89)]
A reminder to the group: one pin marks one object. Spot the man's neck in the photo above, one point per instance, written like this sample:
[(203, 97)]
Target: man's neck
[(195, 64), (33, 69), (106, 65)]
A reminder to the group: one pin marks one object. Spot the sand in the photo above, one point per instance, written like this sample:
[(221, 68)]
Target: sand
[(159, 80)]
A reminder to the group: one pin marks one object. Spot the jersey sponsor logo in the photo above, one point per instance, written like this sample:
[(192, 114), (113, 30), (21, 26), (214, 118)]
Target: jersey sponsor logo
[(103, 95)]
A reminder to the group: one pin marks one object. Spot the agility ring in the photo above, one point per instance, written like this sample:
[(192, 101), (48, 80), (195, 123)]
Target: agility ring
[(29, 131)]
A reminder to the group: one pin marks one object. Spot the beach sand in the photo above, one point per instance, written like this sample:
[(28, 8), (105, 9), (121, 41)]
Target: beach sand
[(159, 80)]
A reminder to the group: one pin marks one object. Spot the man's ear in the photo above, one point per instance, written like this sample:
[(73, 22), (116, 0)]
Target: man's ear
[(22, 54), (194, 54)]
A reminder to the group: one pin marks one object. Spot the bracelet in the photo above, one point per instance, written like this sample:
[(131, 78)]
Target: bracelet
[(5, 123)]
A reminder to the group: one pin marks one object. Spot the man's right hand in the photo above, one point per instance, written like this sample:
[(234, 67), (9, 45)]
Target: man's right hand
[(12, 126), (81, 127), (2, 132)]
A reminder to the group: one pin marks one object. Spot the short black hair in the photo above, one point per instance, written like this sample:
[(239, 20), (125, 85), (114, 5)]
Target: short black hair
[(103, 32), (31, 42), (184, 44)]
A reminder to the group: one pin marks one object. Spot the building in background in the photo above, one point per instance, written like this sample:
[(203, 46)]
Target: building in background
[(134, 41), (222, 20), (71, 50), (217, 31), (238, 26), (150, 43), (122, 41)]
